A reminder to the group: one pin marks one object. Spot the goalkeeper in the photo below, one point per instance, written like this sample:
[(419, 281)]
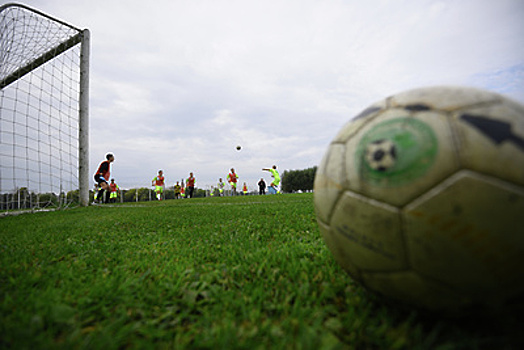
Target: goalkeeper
[(276, 177), (102, 177)]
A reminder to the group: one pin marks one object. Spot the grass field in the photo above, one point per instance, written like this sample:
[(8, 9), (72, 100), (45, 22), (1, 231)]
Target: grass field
[(216, 273)]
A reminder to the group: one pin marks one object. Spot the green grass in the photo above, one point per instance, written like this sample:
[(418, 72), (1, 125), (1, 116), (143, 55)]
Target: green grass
[(243, 272)]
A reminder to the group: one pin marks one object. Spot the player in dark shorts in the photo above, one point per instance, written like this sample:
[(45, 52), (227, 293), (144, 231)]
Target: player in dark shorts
[(102, 178)]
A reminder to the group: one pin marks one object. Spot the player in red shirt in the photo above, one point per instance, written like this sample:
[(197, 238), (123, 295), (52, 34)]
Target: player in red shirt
[(102, 177), (190, 183)]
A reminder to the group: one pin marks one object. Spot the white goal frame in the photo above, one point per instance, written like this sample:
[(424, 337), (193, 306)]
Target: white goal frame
[(21, 56)]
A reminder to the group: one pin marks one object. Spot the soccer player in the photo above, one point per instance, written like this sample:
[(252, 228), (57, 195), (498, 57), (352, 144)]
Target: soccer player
[(221, 186), (276, 177), (95, 194), (177, 190), (158, 182), (114, 191), (102, 177), (190, 182), (244, 189), (261, 187), (232, 178)]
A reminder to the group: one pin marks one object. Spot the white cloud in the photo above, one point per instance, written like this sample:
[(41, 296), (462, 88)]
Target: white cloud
[(178, 84)]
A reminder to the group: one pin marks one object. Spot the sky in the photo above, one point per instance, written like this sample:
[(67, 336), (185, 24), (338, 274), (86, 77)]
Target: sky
[(178, 84)]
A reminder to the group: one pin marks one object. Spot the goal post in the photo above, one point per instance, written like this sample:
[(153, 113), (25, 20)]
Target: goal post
[(44, 110), (83, 122)]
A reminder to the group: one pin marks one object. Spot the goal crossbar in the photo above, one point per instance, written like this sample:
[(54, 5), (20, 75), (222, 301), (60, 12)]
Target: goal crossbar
[(49, 55)]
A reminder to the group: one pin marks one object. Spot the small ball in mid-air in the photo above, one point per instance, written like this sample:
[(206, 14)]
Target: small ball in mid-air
[(239, 148)]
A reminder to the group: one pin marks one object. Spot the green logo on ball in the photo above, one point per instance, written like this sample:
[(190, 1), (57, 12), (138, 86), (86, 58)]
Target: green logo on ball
[(396, 152)]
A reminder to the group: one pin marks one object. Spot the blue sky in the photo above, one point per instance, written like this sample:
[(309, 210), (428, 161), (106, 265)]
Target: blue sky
[(177, 85)]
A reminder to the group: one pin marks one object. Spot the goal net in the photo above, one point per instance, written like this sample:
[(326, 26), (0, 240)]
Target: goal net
[(43, 111)]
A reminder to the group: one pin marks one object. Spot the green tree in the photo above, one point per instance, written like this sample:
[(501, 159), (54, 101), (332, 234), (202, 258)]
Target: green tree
[(298, 180), (129, 195), (169, 193), (144, 194), (73, 196), (199, 193)]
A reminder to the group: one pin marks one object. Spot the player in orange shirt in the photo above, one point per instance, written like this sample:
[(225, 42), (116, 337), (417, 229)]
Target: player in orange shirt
[(232, 178), (158, 182), (114, 191)]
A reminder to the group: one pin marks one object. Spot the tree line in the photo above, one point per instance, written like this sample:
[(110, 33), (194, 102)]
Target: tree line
[(298, 180)]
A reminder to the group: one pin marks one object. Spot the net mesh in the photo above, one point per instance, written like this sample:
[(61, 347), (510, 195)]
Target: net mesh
[(39, 111)]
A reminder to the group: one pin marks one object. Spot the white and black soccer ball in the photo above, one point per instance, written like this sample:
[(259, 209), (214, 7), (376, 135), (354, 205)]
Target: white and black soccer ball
[(381, 155), (421, 198)]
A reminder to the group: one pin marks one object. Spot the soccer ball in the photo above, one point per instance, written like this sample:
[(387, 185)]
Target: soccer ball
[(421, 198), (239, 148)]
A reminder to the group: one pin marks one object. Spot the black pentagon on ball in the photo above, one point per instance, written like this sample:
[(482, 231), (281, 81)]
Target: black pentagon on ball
[(381, 155), (378, 155)]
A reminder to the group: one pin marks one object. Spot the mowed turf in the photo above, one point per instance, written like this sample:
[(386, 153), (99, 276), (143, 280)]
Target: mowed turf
[(217, 273)]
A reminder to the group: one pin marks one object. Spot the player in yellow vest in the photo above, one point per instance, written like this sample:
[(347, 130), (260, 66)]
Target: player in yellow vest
[(177, 190), (276, 177), (95, 194), (220, 187), (114, 191)]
